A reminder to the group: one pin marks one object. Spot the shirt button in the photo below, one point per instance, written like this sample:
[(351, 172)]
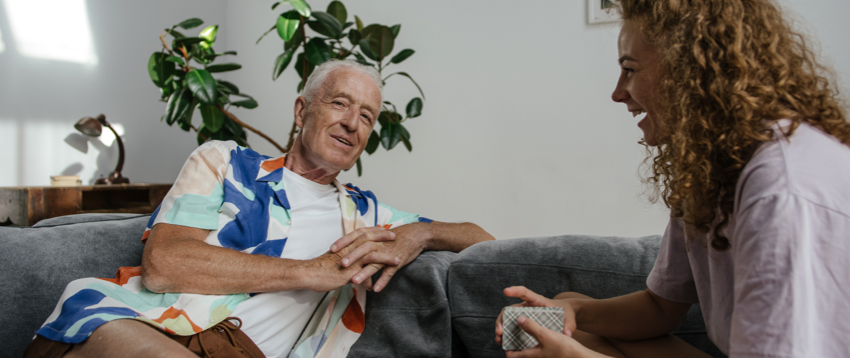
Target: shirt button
[(288, 222)]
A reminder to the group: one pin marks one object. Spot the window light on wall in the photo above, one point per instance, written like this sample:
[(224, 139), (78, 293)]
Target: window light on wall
[(51, 29)]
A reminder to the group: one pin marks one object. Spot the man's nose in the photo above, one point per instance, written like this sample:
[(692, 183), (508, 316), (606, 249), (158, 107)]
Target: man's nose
[(351, 118)]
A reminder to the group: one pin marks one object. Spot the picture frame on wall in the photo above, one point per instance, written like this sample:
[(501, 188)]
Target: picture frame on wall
[(599, 11)]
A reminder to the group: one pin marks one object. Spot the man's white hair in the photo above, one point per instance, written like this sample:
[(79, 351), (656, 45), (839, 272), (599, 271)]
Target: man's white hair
[(320, 74)]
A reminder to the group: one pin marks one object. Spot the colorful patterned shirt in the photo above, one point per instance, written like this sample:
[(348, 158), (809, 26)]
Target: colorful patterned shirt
[(239, 196)]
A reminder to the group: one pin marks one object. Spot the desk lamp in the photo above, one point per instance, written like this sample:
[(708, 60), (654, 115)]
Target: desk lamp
[(93, 127)]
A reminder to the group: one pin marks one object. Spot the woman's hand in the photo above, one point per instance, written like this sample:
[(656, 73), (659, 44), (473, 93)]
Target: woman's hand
[(531, 299), (551, 344)]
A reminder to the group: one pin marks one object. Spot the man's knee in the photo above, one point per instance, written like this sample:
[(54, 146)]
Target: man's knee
[(128, 338)]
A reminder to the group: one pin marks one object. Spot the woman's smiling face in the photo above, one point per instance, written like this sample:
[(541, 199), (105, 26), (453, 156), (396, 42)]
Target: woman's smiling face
[(640, 79)]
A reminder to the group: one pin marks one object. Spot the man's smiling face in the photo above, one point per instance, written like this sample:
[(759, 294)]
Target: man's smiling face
[(335, 127)]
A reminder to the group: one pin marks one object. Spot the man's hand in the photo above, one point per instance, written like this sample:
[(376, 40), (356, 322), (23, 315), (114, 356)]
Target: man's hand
[(531, 299), (410, 241), (337, 268), (551, 344)]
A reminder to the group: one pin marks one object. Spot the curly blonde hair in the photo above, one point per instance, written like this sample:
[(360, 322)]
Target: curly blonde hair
[(732, 68)]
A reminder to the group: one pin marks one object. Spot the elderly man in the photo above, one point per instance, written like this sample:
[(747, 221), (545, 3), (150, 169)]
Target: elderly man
[(242, 250)]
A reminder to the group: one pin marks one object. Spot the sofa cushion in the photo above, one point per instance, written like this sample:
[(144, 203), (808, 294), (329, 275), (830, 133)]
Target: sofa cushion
[(600, 267), (38, 262)]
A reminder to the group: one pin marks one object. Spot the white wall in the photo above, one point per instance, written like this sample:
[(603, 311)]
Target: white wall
[(41, 99), (518, 133)]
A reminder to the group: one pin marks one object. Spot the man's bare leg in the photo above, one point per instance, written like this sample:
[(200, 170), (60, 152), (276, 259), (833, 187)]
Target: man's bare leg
[(664, 346), (128, 338)]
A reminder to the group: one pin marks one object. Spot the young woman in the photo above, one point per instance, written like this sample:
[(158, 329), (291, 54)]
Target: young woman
[(750, 153)]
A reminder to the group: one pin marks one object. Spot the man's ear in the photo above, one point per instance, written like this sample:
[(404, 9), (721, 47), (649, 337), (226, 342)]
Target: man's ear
[(300, 109)]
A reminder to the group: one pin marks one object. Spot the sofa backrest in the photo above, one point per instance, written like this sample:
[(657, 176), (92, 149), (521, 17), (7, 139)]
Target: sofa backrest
[(38, 262)]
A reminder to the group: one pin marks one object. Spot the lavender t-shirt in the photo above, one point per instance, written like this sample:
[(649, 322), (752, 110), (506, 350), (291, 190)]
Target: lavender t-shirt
[(783, 288)]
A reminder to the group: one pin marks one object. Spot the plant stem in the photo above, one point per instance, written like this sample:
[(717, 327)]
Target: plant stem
[(252, 129), (199, 133), (162, 38)]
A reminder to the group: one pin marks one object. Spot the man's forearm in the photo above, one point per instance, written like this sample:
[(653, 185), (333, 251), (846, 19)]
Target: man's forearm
[(192, 266), (635, 316), (453, 237)]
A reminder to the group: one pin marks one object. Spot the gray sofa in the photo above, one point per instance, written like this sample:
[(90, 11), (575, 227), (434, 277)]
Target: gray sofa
[(441, 305)]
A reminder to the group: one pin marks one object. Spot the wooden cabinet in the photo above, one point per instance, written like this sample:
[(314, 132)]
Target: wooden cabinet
[(25, 206)]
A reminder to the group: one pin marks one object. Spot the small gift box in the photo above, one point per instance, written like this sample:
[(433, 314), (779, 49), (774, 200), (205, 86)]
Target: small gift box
[(515, 339)]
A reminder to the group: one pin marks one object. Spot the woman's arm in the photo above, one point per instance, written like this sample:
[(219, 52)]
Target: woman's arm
[(635, 316)]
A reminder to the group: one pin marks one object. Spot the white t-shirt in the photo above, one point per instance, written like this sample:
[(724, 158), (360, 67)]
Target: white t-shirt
[(781, 290), (274, 320)]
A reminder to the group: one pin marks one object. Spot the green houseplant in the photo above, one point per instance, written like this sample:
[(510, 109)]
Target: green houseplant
[(184, 74), (334, 37), (186, 85)]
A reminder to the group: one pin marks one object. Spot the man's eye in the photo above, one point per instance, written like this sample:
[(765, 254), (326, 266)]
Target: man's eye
[(338, 103)]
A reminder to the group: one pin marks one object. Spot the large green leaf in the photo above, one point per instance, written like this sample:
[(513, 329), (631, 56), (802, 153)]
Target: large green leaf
[(296, 40), (184, 123), (281, 62), (354, 37), (390, 135), (337, 9), (175, 59), (287, 25), (381, 41), (202, 85), (223, 67), (411, 80), (374, 141), (403, 55), (414, 108), (404, 135), (318, 52), (230, 87), (364, 47), (239, 135), (186, 41), (160, 71), (213, 118), (186, 120), (299, 67), (174, 33), (359, 23), (359, 167), (299, 5), (407, 144), (317, 26), (395, 29), (190, 23), (385, 117), (333, 26), (249, 103), (177, 105)]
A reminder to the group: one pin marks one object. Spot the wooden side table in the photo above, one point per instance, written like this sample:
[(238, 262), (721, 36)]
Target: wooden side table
[(25, 206)]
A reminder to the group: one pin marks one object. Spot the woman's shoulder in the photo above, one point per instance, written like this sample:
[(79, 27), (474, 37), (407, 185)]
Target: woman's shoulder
[(808, 163)]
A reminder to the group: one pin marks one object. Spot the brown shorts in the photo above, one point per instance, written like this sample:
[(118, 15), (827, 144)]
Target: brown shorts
[(222, 340)]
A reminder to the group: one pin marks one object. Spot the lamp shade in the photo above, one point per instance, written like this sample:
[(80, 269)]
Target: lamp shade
[(89, 126)]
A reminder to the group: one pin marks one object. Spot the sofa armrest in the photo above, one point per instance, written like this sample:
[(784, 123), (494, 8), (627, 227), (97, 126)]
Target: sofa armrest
[(600, 267), (38, 262)]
